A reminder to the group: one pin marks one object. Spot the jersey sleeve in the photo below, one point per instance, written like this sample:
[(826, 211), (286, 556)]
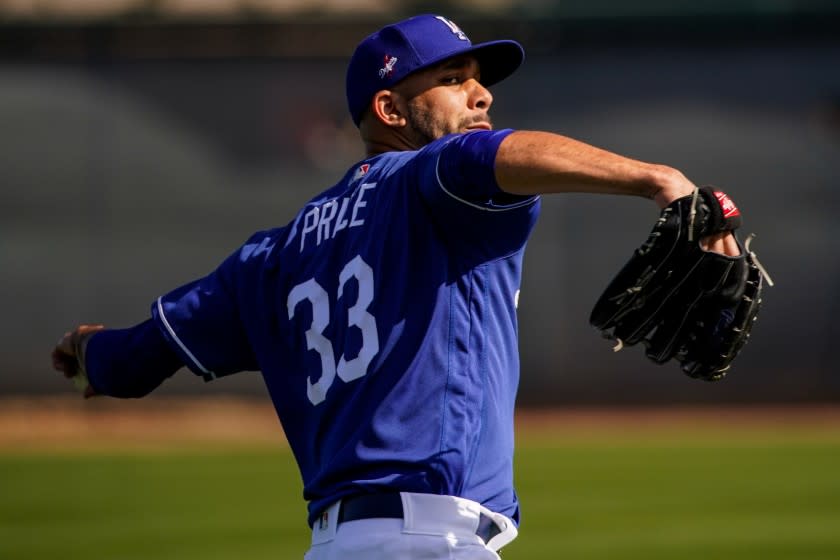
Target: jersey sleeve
[(465, 172), (457, 181), (202, 321)]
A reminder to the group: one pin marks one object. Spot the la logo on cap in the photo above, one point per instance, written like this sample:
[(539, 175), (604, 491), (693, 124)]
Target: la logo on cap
[(453, 28), (388, 69)]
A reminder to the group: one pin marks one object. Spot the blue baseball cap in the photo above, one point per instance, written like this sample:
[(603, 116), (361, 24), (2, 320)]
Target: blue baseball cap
[(397, 50)]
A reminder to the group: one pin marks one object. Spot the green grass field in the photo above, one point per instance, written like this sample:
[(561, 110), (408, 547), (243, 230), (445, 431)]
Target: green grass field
[(755, 494)]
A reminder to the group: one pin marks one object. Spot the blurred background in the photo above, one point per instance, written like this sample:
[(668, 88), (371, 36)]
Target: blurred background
[(141, 141)]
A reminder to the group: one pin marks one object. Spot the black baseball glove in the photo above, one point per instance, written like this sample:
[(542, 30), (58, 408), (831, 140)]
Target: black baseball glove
[(684, 303)]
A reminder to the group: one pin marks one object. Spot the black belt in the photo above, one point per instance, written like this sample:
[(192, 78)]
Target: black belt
[(389, 506)]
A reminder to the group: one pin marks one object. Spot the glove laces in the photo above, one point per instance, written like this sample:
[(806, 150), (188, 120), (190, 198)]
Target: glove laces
[(755, 260), (692, 213)]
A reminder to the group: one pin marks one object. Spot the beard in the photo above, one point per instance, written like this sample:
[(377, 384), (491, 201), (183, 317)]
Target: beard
[(427, 126)]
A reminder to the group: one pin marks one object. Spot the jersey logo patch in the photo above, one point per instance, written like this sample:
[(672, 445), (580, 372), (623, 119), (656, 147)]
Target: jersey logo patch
[(360, 172)]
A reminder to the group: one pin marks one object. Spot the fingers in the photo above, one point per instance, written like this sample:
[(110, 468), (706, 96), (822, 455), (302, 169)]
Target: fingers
[(723, 243), (69, 350), (84, 330), (63, 356)]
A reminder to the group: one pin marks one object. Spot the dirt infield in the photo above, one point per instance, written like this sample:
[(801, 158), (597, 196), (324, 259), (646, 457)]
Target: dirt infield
[(72, 423)]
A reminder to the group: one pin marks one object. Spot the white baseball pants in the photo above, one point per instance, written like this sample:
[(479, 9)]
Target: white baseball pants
[(433, 527)]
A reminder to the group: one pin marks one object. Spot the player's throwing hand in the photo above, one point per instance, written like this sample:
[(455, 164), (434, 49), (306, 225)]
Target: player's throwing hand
[(68, 357)]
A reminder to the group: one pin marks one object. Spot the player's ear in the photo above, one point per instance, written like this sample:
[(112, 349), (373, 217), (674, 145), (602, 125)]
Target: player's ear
[(386, 107)]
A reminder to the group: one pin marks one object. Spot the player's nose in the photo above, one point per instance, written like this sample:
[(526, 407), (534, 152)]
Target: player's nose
[(480, 96)]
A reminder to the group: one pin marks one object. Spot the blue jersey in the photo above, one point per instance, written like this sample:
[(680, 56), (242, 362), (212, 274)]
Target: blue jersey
[(383, 320)]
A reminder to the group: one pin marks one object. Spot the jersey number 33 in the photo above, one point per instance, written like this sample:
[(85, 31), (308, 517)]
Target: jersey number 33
[(357, 316)]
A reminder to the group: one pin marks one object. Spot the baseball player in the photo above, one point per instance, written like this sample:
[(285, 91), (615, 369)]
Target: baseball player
[(383, 316)]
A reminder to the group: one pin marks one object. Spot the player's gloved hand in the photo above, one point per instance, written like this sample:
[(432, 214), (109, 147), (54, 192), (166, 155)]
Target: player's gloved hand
[(691, 292), (68, 357)]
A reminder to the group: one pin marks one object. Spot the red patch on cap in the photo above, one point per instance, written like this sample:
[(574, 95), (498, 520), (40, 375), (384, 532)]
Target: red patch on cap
[(726, 204)]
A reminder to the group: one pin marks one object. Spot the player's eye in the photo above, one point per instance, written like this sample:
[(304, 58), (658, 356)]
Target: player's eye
[(451, 80)]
